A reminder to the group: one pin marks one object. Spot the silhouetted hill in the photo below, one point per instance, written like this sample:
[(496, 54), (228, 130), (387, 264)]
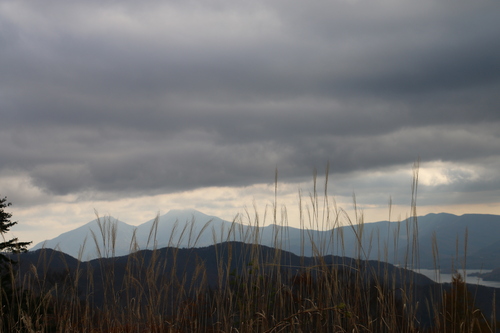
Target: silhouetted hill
[(494, 275), (448, 232), (94, 239), (436, 237), (168, 270)]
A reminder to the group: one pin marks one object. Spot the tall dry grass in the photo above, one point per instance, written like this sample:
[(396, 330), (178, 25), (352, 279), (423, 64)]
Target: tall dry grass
[(235, 287)]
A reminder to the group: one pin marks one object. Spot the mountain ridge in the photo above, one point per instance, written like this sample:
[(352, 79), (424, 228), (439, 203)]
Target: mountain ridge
[(383, 240), (179, 268)]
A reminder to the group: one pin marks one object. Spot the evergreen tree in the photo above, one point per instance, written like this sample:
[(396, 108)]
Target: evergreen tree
[(7, 247)]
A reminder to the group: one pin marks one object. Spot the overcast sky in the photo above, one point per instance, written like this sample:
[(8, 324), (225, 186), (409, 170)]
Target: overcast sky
[(137, 107)]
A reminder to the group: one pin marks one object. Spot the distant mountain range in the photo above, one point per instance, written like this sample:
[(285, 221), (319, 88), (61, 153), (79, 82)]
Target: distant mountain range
[(439, 238), (107, 236)]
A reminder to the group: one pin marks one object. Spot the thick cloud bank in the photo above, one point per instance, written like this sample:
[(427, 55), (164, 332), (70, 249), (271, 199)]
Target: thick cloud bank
[(128, 98)]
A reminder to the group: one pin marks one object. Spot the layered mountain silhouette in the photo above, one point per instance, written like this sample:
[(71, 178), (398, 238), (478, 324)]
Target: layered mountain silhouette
[(430, 241), (170, 269), (107, 236)]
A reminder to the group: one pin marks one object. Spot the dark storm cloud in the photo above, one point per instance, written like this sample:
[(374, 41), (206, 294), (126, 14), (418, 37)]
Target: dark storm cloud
[(157, 97)]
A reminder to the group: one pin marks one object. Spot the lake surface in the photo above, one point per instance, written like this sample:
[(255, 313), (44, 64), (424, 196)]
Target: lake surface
[(444, 278)]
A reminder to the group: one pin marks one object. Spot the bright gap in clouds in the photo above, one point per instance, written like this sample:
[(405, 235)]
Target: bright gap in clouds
[(53, 215), (442, 173)]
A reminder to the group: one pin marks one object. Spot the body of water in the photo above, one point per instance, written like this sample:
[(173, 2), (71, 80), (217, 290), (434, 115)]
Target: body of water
[(444, 278)]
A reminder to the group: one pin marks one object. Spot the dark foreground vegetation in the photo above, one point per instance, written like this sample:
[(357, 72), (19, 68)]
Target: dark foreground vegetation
[(235, 286)]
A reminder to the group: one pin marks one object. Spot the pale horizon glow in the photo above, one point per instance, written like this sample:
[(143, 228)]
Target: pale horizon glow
[(134, 108), (227, 203)]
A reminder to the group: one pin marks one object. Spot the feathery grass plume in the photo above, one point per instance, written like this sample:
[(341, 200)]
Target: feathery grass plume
[(238, 284)]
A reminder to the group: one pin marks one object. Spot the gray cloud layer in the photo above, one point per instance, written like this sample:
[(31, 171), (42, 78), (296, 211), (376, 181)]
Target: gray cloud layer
[(151, 97)]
